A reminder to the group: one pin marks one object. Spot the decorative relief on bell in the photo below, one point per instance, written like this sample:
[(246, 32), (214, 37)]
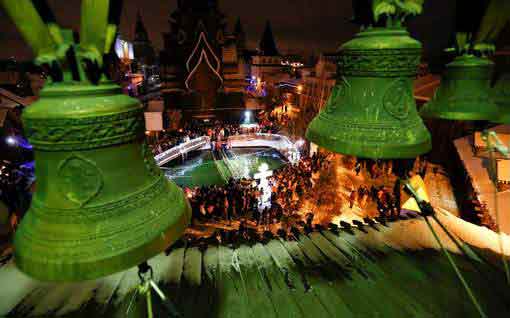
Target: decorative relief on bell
[(382, 62), (398, 99), (340, 90), (79, 179), (84, 133)]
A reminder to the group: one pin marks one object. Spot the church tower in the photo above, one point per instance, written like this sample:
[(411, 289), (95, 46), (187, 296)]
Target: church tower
[(240, 35), (267, 64), (142, 47), (267, 44), (200, 59)]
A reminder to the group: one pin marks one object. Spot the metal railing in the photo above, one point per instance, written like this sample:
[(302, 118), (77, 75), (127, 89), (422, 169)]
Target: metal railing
[(180, 150), (278, 142)]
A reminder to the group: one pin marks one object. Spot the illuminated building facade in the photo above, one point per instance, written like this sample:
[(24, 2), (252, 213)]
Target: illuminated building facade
[(203, 66), (317, 86)]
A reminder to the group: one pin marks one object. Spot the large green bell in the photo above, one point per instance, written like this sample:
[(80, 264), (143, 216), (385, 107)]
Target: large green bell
[(371, 112), (464, 91), (501, 96), (101, 205)]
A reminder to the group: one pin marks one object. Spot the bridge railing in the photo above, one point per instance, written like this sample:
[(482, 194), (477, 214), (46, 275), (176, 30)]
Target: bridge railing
[(180, 150), (279, 142)]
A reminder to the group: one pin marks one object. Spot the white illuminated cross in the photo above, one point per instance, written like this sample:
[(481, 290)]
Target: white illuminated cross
[(263, 175)]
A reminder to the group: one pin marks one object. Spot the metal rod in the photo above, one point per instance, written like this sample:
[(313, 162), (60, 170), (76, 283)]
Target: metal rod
[(457, 271), (149, 302), (466, 251), (430, 211)]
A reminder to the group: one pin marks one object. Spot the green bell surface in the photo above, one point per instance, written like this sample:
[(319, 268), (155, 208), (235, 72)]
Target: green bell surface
[(500, 93), (464, 92), (101, 205), (371, 112)]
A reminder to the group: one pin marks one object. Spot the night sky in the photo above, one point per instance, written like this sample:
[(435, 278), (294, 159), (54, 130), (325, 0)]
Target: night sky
[(300, 26)]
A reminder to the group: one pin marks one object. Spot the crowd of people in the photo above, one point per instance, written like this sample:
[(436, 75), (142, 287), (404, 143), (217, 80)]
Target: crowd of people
[(290, 183), (388, 201), (240, 200), (169, 139), (217, 131), (237, 199)]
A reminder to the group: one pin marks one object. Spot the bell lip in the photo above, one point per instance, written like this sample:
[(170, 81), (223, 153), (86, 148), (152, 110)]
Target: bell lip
[(504, 119), (369, 151), (433, 110), (86, 271), (451, 115)]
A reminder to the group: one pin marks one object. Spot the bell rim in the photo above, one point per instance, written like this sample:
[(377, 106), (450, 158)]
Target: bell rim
[(101, 267), (457, 116), (504, 120), (382, 151), (433, 110)]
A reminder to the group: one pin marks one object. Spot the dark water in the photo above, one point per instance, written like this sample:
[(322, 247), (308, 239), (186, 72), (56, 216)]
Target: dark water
[(200, 169), (251, 158), (197, 170)]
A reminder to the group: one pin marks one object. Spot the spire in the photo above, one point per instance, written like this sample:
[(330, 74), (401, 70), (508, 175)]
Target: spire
[(267, 44), (238, 29), (140, 31), (239, 34), (142, 47)]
